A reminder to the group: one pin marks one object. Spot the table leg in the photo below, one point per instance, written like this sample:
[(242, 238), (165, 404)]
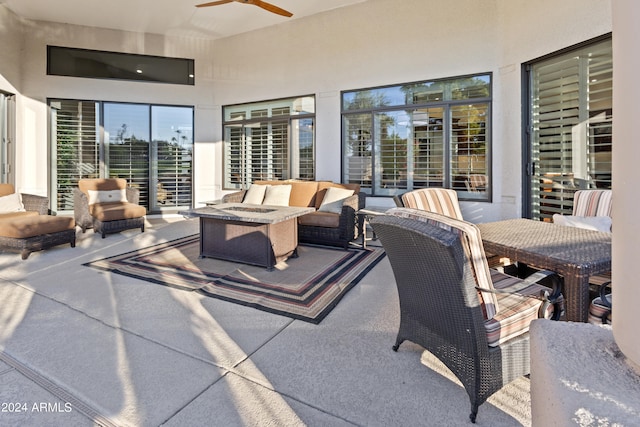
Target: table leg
[(576, 296)]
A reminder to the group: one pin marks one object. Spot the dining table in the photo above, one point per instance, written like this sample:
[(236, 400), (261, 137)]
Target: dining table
[(573, 253)]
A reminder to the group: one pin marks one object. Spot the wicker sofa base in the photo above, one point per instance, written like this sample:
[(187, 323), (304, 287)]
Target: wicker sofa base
[(325, 236), (27, 245), (108, 227)]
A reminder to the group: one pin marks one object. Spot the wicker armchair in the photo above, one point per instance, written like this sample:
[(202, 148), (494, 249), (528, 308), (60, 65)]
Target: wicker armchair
[(90, 211), (475, 320)]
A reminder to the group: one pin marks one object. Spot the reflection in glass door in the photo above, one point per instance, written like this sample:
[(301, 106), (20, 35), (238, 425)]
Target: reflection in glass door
[(126, 145), (172, 155)]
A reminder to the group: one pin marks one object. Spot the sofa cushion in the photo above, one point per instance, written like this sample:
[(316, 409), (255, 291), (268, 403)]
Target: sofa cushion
[(333, 199), (116, 211), (255, 194), (11, 203), (320, 219), (277, 195), (35, 225)]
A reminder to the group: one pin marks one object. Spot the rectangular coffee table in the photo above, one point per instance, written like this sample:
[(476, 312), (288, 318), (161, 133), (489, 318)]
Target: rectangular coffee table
[(251, 234)]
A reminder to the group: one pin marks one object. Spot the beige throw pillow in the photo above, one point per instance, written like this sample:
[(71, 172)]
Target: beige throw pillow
[(255, 194), (11, 203), (277, 195), (333, 199)]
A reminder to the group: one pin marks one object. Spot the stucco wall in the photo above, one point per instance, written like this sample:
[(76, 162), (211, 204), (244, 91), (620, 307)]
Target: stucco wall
[(377, 42)]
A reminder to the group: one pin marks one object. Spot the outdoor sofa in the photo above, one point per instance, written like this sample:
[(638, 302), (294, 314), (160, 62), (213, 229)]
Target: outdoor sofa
[(333, 224)]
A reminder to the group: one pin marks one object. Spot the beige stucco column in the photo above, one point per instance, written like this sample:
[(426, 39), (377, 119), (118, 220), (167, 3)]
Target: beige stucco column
[(626, 178)]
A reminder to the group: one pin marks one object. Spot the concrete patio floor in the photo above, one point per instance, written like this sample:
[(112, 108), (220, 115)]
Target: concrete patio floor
[(81, 347)]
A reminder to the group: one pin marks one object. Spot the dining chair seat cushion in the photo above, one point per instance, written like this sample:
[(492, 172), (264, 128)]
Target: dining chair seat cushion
[(516, 310)]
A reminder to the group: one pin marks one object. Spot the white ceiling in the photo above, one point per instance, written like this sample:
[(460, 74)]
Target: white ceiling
[(168, 17)]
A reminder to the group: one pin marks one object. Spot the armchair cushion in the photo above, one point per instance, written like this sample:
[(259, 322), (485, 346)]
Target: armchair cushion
[(6, 189), (116, 211), (11, 203), (320, 219)]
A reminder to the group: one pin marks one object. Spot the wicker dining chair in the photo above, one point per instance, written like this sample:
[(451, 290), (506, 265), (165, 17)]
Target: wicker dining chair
[(475, 320)]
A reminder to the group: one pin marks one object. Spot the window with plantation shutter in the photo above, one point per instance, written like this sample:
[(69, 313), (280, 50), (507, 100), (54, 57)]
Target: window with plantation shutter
[(151, 146), (571, 119), (270, 140), (76, 154), (418, 135)]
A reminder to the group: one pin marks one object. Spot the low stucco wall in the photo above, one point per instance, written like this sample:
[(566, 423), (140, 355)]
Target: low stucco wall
[(579, 377)]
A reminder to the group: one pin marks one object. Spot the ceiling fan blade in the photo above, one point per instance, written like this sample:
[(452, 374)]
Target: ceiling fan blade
[(271, 8), (215, 3)]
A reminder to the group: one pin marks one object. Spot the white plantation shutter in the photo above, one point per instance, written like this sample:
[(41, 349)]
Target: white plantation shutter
[(75, 128), (571, 106), (271, 140)]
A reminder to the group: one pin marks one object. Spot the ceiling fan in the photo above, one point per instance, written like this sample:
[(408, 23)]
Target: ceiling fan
[(259, 3)]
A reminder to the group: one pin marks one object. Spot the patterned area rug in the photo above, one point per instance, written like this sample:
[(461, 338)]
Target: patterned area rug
[(305, 288)]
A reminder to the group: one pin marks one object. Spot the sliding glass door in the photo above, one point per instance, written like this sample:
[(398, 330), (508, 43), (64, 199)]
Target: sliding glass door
[(570, 123), (151, 146)]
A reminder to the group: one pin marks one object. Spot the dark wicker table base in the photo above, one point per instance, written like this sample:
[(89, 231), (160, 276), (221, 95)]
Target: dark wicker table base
[(248, 242), (37, 243)]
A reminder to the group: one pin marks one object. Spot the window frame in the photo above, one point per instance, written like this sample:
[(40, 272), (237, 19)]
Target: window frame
[(448, 103), (269, 120)]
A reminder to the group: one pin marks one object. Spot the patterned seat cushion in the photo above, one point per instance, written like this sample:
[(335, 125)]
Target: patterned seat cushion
[(517, 310)]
